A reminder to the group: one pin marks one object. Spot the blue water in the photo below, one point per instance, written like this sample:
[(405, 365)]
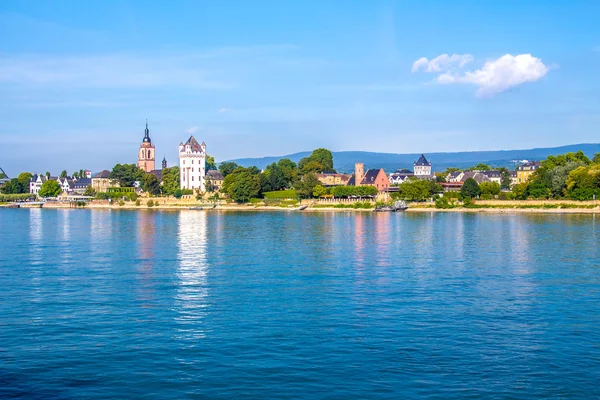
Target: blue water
[(208, 305)]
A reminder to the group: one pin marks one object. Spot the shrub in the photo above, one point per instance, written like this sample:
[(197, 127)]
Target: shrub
[(150, 203), (486, 196), (137, 203), (359, 191), (467, 202), (187, 192), (16, 197), (444, 203), (506, 196), (177, 194), (121, 203), (453, 195)]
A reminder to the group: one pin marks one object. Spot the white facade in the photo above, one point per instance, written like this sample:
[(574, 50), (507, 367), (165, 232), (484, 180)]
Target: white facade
[(192, 164)]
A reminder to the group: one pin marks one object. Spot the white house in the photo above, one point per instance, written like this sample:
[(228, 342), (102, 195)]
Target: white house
[(400, 176), (422, 167), (192, 164)]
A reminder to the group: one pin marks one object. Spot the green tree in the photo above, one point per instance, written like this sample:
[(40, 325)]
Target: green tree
[(440, 177), (76, 175), (450, 170), (505, 178), (470, 188), (24, 178), (63, 174), (50, 188), (319, 191), (126, 174), (2, 175), (480, 167), (323, 157), (538, 190), (306, 185), (151, 184), (48, 174), (313, 167), (210, 163), (89, 191), (414, 189), (245, 186), (171, 180), (491, 188), (558, 177), (520, 191), (13, 186), (290, 171), (596, 159), (210, 186), (227, 167)]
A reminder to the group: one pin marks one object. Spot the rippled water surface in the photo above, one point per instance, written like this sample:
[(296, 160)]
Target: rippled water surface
[(190, 304)]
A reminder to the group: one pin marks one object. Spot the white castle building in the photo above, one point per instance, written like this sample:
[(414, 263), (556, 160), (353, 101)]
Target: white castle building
[(192, 164)]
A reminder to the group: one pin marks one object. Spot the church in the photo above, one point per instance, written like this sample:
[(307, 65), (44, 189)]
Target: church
[(146, 156)]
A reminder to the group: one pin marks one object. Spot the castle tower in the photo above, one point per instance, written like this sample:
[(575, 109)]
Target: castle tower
[(146, 152), (359, 173), (164, 163), (192, 164)]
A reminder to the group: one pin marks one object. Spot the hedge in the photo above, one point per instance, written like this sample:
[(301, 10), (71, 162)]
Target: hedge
[(359, 191), (16, 197), (281, 194)]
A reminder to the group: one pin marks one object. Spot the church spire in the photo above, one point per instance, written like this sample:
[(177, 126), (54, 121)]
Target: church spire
[(147, 134)]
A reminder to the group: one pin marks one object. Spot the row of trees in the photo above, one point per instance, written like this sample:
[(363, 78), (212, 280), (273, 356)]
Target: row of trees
[(571, 175), (242, 184)]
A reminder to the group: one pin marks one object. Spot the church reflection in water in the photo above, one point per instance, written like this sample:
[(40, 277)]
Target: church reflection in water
[(192, 289)]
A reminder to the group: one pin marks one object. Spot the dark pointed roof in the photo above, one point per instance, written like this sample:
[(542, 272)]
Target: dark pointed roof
[(370, 176), (147, 134), (422, 162), (194, 143)]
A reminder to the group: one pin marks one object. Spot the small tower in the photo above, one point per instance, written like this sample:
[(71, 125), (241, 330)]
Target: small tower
[(146, 152), (164, 163), (359, 173)]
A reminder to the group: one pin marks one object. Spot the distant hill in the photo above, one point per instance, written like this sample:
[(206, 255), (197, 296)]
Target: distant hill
[(344, 160)]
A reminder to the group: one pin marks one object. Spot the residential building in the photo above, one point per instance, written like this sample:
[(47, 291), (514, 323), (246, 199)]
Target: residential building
[(454, 177), (81, 184), (331, 179), (422, 167), (400, 176), (478, 176), (147, 152), (513, 178), (216, 179), (101, 181), (373, 177), (525, 170), (35, 183), (192, 163), (66, 184), (493, 176)]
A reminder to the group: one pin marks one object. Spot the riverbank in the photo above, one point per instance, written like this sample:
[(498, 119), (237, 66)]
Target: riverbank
[(494, 207)]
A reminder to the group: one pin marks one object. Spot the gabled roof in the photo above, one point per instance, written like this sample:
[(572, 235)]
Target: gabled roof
[(422, 162), (491, 174), (455, 174), (403, 171), (82, 182), (196, 147), (352, 181), (157, 173), (102, 174), (370, 177), (215, 175)]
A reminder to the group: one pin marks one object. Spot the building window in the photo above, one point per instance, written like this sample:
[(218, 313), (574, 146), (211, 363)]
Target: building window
[(192, 169), (192, 178), (184, 161), (192, 161)]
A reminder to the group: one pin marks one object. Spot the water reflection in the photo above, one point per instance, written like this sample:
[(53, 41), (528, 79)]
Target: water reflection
[(65, 247), (146, 244), (192, 289), (36, 234), (100, 234)]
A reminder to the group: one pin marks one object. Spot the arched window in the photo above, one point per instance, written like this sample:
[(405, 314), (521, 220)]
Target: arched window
[(149, 154)]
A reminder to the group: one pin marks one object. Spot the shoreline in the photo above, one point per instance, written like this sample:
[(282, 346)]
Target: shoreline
[(241, 208)]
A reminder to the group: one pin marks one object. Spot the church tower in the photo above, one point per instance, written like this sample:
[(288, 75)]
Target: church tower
[(146, 152), (164, 163)]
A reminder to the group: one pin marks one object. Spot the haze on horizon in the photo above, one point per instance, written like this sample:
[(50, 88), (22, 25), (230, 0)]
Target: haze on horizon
[(263, 78)]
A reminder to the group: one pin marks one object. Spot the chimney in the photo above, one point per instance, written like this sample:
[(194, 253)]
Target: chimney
[(359, 173)]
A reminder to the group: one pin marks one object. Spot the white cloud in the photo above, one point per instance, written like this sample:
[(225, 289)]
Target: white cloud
[(223, 110), (495, 76), (442, 63), (192, 130)]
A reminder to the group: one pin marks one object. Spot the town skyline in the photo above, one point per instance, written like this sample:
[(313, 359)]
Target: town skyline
[(292, 78)]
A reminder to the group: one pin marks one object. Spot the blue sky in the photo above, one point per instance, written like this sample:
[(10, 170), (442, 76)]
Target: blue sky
[(257, 78)]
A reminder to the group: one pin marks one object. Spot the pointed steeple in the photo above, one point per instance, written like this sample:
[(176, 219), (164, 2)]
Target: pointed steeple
[(147, 134)]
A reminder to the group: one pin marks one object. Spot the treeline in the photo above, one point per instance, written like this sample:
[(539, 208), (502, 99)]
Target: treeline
[(244, 183), (566, 176)]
